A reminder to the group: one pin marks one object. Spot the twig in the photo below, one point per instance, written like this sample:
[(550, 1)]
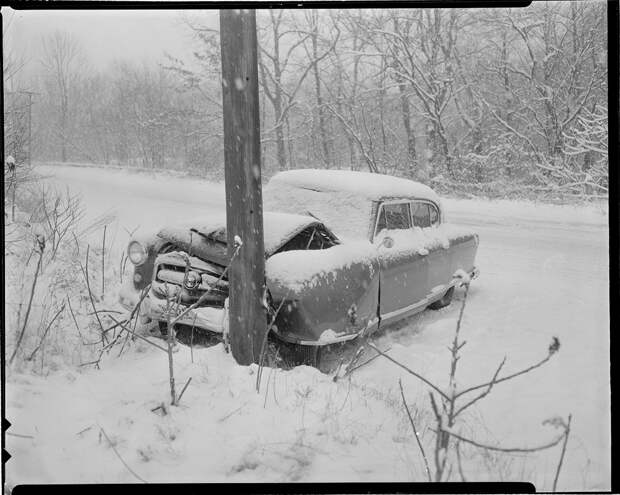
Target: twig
[(116, 325), (458, 460), (78, 327), (438, 468), (124, 344), (90, 295), (29, 307), (483, 394), (356, 357), (137, 334), (121, 268), (103, 264), (96, 363), (49, 325), (224, 418), (504, 378), (170, 341), (119, 456), (110, 345), (105, 311), (85, 429), (183, 390), (18, 435), (566, 433), (505, 449), (136, 308), (259, 374), (419, 377), (415, 432), (351, 370)]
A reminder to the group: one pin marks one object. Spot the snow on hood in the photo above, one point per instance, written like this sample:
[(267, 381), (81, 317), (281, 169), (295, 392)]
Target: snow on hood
[(369, 185), (278, 228)]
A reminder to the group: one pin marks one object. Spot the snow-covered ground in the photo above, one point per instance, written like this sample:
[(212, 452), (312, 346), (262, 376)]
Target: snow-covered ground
[(544, 273)]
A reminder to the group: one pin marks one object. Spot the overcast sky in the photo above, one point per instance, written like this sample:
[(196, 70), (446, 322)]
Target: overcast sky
[(105, 35)]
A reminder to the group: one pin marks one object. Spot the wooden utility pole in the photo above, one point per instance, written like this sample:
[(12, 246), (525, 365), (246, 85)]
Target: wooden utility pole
[(244, 203)]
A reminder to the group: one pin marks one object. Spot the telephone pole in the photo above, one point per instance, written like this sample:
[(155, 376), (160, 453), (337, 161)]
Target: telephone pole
[(244, 204)]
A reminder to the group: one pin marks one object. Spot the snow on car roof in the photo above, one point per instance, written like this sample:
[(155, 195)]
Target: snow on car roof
[(278, 227), (370, 185)]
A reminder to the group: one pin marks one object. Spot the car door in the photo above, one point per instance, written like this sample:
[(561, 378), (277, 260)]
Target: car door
[(425, 215), (403, 270)]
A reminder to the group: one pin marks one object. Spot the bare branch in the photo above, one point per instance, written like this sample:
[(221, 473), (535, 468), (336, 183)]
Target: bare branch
[(415, 433)]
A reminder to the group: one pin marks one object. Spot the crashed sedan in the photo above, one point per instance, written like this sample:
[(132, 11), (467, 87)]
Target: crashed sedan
[(346, 253)]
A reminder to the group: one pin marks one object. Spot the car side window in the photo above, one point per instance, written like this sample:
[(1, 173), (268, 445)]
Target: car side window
[(434, 214), (421, 214), (394, 216)]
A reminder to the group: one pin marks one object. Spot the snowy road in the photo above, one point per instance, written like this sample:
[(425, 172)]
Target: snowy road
[(544, 272)]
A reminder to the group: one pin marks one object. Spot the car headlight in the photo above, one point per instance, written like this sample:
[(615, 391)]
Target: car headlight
[(136, 253)]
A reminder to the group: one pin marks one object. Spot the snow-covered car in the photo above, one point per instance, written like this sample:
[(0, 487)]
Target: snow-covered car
[(346, 252)]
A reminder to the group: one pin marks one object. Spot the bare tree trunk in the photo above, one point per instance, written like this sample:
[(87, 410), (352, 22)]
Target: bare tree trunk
[(289, 142), (319, 99), (406, 114)]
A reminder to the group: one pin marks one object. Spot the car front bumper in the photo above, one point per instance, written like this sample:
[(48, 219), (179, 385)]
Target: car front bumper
[(208, 318)]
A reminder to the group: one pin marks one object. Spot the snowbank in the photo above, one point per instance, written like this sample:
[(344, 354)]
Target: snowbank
[(301, 427), (513, 213)]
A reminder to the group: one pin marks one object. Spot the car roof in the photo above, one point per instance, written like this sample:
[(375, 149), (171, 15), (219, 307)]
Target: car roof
[(372, 186)]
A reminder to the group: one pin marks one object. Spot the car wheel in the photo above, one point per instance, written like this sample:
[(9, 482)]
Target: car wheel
[(444, 301), (309, 355), (296, 354)]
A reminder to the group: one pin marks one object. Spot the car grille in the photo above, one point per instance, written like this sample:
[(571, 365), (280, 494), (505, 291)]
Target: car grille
[(169, 277)]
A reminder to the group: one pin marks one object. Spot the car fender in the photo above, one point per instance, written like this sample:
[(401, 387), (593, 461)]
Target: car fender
[(333, 299)]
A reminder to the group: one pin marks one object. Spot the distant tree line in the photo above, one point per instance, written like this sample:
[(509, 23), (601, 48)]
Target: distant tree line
[(486, 101)]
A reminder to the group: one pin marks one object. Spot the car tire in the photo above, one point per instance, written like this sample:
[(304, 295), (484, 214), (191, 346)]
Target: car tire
[(297, 354), (444, 301), (307, 354)]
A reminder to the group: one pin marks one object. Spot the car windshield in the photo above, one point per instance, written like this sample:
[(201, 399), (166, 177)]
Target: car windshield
[(311, 238)]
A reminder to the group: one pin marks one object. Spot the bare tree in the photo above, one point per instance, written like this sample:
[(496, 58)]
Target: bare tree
[(62, 61), (422, 46), (275, 63)]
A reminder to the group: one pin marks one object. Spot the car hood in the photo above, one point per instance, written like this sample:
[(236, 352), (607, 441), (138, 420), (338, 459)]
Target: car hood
[(208, 237)]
